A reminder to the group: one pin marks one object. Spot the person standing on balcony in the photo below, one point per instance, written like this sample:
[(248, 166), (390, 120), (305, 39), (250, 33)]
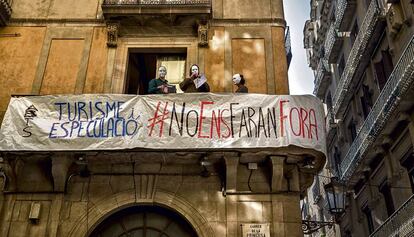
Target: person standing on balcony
[(196, 83), (239, 81), (160, 85)]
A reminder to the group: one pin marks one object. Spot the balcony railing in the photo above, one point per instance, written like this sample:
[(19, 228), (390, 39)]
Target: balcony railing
[(343, 13), (357, 53), (401, 223), (114, 8), (157, 2), (396, 87), (324, 20), (288, 46), (333, 44), (5, 11), (322, 77)]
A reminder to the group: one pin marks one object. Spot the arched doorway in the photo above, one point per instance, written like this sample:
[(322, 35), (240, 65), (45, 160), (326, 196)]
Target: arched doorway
[(144, 221)]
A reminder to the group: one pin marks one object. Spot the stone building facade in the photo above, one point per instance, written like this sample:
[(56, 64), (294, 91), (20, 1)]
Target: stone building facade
[(362, 54), (114, 47)]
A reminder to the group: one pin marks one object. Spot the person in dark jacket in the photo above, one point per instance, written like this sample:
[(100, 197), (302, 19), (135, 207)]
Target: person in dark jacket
[(239, 81), (159, 85), (196, 82)]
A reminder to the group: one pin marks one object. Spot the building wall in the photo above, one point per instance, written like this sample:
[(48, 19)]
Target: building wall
[(382, 163), (70, 45), (72, 204), (60, 47)]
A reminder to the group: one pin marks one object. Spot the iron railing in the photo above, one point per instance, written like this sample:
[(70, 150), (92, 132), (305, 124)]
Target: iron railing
[(288, 46), (340, 11), (330, 40), (324, 19), (157, 2), (401, 223), (331, 43), (341, 7), (396, 87), (321, 72), (356, 54)]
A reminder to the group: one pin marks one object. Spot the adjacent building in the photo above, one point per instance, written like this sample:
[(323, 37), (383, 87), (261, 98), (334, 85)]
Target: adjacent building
[(362, 55), (50, 47)]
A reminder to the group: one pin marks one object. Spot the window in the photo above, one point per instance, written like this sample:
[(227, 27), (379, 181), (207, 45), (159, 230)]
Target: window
[(143, 66), (408, 162), (329, 101), (341, 66), (368, 218), (384, 188), (354, 33), (383, 68), (337, 160), (352, 130), (366, 100)]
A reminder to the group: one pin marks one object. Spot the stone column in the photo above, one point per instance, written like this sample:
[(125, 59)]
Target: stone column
[(232, 162)]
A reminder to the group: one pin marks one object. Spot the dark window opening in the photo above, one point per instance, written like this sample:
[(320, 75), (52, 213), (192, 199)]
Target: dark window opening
[(366, 100), (359, 185), (354, 33), (337, 160), (143, 65), (341, 66), (368, 217), (408, 162), (373, 165), (352, 130), (329, 101), (386, 192), (383, 68)]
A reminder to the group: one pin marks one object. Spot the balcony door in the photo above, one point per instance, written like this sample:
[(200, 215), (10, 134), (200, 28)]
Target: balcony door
[(143, 66)]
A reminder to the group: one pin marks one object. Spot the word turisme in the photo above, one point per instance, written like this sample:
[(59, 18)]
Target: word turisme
[(92, 119)]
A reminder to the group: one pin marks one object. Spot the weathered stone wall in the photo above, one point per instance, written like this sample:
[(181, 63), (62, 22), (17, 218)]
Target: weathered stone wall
[(61, 47), (72, 205)]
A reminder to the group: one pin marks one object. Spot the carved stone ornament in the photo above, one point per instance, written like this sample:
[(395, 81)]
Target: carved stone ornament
[(202, 35), (112, 35)]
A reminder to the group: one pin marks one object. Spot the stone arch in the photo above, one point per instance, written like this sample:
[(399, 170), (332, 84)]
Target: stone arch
[(99, 211)]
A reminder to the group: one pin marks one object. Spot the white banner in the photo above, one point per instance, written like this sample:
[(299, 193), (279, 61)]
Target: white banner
[(174, 121)]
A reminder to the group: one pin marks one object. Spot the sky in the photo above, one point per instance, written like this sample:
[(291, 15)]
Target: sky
[(300, 75)]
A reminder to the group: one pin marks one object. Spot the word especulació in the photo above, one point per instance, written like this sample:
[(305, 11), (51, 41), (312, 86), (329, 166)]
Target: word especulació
[(94, 119)]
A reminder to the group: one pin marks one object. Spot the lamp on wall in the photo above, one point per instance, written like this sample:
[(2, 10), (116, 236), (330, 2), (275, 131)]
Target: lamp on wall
[(335, 195)]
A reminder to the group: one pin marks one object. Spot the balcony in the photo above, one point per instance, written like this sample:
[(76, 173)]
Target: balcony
[(120, 9), (333, 44), (323, 78), (365, 43), (5, 11), (395, 89), (345, 9), (401, 223), (324, 20)]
